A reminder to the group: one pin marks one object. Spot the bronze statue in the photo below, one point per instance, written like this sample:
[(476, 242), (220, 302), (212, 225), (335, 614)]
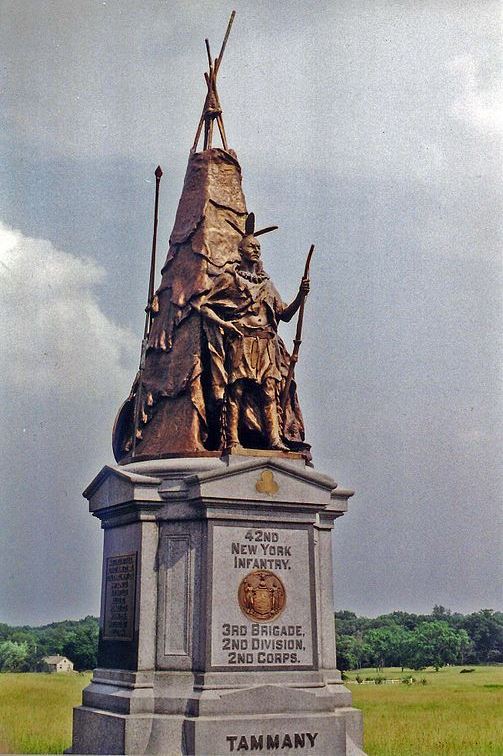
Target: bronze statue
[(244, 304), (214, 376)]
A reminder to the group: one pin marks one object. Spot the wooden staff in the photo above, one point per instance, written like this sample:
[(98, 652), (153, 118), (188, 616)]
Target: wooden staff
[(298, 337), (148, 312)]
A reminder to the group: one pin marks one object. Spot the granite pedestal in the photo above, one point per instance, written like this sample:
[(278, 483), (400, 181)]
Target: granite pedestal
[(217, 624)]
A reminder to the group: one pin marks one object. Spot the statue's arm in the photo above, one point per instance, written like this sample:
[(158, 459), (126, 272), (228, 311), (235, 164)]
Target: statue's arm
[(207, 312), (217, 297), (293, 307), (203, 305)]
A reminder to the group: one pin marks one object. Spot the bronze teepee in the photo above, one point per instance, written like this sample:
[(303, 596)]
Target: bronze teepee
[(214, 372)]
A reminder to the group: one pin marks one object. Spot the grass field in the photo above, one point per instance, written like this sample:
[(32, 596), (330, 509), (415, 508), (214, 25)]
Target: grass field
[(452, 714), (36, 711)]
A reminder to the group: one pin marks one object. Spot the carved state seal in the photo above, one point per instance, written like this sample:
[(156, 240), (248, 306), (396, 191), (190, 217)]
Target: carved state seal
[(261, 596)]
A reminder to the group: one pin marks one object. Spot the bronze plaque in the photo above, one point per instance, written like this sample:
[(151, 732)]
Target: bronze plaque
[(261, 596), (120, 594)]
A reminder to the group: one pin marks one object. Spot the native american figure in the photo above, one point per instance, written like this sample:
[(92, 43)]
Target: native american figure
[(242, 311), (215, 376)]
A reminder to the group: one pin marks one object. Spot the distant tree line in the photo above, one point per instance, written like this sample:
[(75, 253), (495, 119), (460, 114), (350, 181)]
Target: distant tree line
[(23, 648), (416, 641), (399, 639)]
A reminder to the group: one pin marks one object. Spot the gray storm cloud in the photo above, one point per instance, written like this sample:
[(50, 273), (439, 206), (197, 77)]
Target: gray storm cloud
[(370, 128), (62, 379)]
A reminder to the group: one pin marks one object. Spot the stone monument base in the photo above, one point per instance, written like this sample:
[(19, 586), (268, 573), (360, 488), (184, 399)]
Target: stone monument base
[(177, 714), (217, 625)]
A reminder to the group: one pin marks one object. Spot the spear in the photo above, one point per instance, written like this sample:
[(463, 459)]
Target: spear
[(148, 312), (298, 337)]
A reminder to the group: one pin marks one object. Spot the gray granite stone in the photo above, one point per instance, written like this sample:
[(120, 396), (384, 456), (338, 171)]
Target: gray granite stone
[(188, 664)]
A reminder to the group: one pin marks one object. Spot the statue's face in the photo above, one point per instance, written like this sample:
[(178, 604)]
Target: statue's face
[(250, 248)]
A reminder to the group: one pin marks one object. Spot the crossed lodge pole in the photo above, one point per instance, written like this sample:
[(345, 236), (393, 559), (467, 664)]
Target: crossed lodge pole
[(212, 110)]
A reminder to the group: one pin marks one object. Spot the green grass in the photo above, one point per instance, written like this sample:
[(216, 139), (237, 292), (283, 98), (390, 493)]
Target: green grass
[(36, 711), (453, 713)]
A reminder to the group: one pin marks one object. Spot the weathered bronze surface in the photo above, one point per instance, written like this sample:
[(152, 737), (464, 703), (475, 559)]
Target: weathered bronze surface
[(215, 376), (215, 368), (261, 596), (266, 483), (120, 594)]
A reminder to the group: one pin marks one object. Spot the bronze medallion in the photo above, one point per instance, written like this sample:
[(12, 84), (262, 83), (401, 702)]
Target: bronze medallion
[(266, 483), (261, 596)]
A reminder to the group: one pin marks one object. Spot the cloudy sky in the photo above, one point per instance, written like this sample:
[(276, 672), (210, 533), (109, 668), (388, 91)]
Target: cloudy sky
[(371, 128)]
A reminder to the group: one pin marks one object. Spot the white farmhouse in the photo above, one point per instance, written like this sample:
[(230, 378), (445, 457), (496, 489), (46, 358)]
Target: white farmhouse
[(57, 664)]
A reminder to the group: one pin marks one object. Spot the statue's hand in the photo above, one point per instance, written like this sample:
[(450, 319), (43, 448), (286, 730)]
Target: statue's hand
[(304, 287), (231, 330)]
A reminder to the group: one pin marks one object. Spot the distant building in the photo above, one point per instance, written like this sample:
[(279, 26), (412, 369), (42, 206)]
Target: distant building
[(56, 664)]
